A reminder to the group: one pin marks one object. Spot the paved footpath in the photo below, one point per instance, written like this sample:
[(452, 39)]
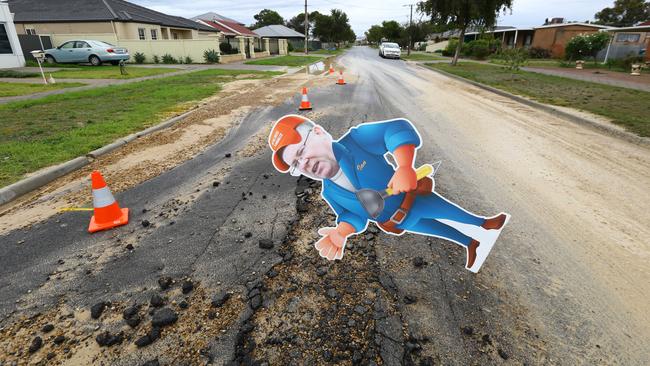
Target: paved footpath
[(598, 76)]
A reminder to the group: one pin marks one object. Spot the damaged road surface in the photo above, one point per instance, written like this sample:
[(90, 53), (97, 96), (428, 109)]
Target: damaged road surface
[(217, 265)]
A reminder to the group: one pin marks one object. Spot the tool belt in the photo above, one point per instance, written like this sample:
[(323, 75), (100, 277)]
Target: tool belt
[(424, 187)]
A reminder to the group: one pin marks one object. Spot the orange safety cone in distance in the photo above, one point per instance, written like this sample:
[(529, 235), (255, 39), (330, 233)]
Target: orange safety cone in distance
[(341, 81), (331, 69), (305, 105), (108, 213)]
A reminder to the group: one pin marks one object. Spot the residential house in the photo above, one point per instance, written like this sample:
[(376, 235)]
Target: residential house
[(117, 22), (511, 37), (11, 54), (554, 37), (280, 36), (243, 42), (629, 41)]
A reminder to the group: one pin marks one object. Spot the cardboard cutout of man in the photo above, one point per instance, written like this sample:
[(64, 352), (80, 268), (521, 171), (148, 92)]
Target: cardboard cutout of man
[(357, 161)]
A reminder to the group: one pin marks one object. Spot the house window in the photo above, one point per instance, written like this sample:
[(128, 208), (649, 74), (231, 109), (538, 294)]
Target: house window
[(628, 37), (175, 35), (154, 34), (30, 31), (141, 34), (5, 45)]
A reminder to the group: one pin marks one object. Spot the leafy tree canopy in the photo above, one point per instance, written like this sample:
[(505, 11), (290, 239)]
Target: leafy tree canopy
[(334, 27), (267, 17), (624, 13), (297, 23)]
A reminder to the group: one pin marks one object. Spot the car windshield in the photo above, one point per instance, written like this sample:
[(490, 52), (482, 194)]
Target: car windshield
[(391, 45)]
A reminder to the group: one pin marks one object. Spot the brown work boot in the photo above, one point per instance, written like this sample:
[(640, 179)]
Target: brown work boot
[(494, 223), (471, 252)]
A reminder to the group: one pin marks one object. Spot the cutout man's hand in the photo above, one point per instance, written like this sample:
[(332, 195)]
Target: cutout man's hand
[(332, 243), (404, 180)]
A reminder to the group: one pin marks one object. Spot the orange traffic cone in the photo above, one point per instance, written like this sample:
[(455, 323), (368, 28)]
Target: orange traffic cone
[(305, 105), (341, 81), (108, 213), (331, 69)]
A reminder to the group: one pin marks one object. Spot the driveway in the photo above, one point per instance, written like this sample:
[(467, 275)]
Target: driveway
[(565, 284)]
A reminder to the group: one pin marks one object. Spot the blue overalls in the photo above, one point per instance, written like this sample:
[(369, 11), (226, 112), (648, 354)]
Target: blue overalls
[(361, 154)]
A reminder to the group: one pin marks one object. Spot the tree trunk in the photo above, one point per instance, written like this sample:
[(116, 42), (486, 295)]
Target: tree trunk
[(461, 40)]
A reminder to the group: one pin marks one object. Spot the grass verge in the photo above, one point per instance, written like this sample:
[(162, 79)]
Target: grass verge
[(337, 51), (288, 60), (46, 131), (421, 57), (626, 107), (14, 89), (109, 72)]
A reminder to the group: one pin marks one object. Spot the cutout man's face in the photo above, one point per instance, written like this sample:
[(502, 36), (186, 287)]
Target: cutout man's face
[(312, 156)]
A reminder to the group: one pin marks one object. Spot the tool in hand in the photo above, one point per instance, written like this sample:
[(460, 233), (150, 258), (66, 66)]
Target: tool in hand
[(373, 201)]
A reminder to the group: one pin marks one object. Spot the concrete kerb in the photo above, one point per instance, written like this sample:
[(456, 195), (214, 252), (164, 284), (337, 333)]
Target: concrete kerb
[(15, 190), (628, 136)]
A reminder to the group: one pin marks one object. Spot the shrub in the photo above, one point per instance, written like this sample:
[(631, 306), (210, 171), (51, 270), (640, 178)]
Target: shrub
[(168, 59), (451, 48), (139, 57), (583, 46), (479, 48), (423, 47), (289, 47), (514, 58), (538, 52), (188, 60), (227, 48), (211, 56), (156, 59)]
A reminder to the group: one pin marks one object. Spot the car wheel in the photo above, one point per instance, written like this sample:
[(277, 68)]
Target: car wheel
[(50, 59), (115, 63), (94, 60)]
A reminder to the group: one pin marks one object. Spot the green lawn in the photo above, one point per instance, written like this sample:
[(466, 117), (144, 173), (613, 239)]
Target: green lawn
[(38, 133), (570, 65), (419, 56), (626, 107), (108, 72), (288, 60), (18, 74), (337, 51), (14, 89)]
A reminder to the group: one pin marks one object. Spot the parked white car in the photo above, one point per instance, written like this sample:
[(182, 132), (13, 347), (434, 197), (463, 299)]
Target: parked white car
[(390, 49)]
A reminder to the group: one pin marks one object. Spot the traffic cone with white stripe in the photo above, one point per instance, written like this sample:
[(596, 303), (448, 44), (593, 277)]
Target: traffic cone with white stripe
[(305, 105), (331, 69), (108, 213), (341, 81)]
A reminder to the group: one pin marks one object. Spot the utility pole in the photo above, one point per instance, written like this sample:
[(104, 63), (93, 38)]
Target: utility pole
[(306, 30), (408, 48)]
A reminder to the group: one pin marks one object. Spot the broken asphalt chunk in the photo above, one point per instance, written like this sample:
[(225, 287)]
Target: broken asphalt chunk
[(106, 339), (145, 223), (165, 282), (187, 286), (97, 309), (156, 301), (163, 317), (418, 261), (37, 342), (47, 328), (220, 299)]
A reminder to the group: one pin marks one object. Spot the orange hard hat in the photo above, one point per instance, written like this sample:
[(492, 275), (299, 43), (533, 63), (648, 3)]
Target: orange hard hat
[(282, 134)]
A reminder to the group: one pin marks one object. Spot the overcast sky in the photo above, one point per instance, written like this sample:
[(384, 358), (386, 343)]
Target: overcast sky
[(364, 13)]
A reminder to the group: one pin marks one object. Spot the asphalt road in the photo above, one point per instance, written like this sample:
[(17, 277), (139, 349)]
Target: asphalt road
[(537, 300)]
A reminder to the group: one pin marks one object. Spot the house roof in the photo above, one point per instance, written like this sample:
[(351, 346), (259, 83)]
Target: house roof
[(214, 16), (570, 24), (26, 11), (638, 28), (278, 30), (499, 29), (229, 28)]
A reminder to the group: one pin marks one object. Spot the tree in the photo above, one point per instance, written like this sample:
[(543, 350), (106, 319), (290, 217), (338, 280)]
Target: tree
[(375, 34), (392, 30), (334, 27), (462, 14), (297, 23), (624, 13), (267, 17)]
